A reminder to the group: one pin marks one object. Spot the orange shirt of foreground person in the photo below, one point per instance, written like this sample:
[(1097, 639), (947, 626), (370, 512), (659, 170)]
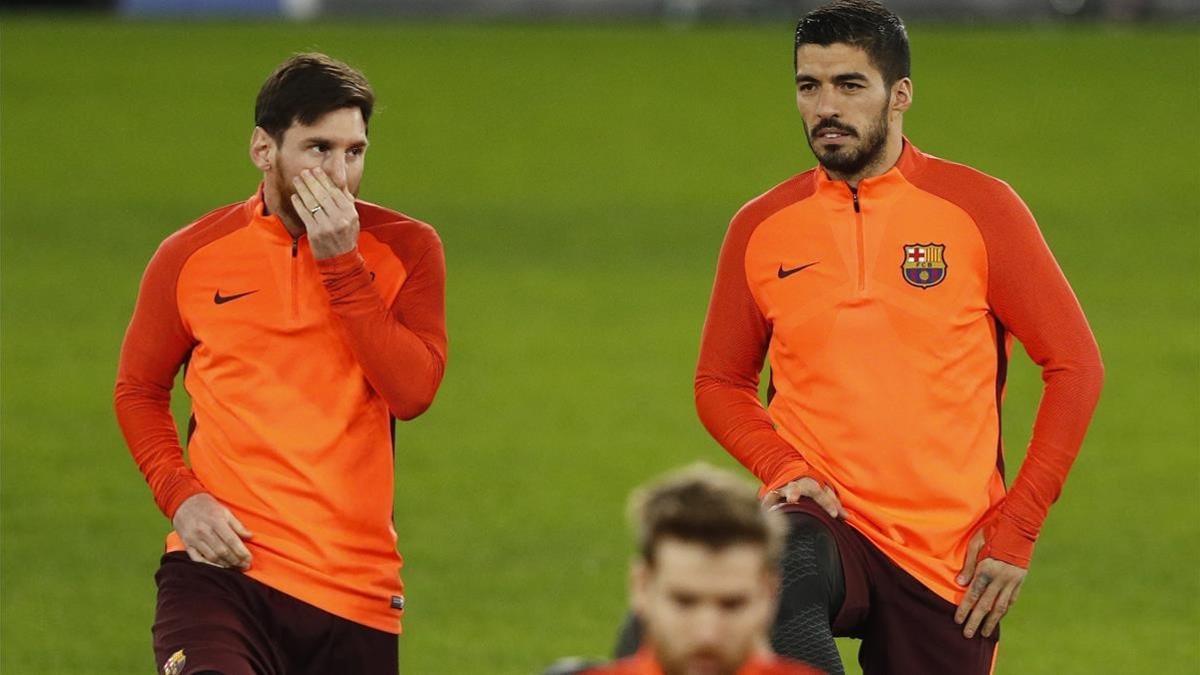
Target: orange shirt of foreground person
[(306, 321), (885, 300)]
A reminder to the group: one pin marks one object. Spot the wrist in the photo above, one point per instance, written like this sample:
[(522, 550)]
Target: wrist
[(1008, 541), (792, 472)]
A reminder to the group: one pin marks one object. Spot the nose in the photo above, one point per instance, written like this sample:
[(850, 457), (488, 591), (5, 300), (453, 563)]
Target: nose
[(827, 107), (708, 628), (335, 168)]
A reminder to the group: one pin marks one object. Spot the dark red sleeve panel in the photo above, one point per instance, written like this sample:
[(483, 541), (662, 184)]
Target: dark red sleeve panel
[(1031, 298), (732, 349), (402, 349), (156, 345)]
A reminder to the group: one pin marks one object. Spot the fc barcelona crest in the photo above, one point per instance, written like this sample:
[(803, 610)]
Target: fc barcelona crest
[(175, 664), (924, 264)]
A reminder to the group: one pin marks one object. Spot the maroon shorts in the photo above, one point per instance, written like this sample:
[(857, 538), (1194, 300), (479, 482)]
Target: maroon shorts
[(211, 619), (905, 628)]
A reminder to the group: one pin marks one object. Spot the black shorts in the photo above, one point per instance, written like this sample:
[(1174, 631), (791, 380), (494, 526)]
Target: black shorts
[(904, 627), (214, 619)]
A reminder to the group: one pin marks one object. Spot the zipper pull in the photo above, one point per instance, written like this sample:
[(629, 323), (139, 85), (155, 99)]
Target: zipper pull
[(296, 243), (854, 195)]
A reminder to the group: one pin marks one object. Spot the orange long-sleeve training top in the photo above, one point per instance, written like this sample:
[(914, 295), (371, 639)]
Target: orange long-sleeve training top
[(887, 316), (296, 369)]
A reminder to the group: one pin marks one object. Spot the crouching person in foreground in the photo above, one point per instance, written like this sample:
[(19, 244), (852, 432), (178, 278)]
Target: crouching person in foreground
[(705, 580)]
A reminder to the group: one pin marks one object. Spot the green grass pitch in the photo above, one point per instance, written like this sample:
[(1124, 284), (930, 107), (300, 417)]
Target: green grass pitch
[(581, 178)]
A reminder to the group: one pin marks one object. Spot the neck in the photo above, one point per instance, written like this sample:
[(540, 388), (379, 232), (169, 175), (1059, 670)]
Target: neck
[(762, 649), (882, 164), (273, 204)]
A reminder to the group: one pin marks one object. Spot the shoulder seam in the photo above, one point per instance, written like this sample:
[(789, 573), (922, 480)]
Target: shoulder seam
[(948, 196), (766, 200), (201, 228)]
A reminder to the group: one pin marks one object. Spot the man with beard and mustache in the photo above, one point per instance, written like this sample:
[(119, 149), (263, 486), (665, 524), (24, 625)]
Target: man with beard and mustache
[(885, 287), (704, 581), (308, 321)]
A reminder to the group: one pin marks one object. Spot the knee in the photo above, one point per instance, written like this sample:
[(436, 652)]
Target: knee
[(810, 544), (812, 568)]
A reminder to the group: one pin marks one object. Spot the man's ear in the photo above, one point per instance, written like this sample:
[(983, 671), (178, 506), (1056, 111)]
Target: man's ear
[(902, 95), (262, 149), (771, 585), (639, 579)]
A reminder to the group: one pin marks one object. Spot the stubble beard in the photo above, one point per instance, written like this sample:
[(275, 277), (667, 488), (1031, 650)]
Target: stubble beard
[(852, 161), (679, 666), (283, 187)]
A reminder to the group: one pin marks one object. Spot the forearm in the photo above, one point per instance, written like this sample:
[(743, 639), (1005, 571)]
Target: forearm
[(156, 344), (404, 365), (737, 420), (1069, 397), (144, 415)]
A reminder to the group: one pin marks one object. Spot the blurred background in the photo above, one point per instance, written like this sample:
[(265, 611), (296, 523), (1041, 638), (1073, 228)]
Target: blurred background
[(970, 10), (581, 159)]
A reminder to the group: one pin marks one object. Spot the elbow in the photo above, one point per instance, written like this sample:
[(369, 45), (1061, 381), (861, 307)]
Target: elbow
[(1091, 369), (1096, 375), (703, 387), (713, 398), (1084, 376), (413, 403), (120, 394), (412, 408), (129, 396)]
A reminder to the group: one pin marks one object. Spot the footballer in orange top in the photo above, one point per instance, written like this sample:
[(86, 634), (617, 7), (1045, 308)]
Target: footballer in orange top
[(306, 322), (884, 289)]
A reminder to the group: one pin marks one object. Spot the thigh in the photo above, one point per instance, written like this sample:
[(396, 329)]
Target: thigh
[(331, 644), (207, 619), (847, 585), (911, 630)]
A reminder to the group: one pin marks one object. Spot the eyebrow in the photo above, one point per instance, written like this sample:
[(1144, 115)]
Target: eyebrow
[(844, 77), (318, 140)]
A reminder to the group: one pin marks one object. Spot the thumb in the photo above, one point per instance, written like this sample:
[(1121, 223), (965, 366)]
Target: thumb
[(828, 501), (968, 570), (239, 528)]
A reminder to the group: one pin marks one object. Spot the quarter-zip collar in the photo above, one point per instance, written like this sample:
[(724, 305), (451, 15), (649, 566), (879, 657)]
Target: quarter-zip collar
[(271, 225), (876, 187)]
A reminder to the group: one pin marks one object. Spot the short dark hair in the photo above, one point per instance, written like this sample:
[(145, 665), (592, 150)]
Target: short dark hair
[(704, 505), (862, 23), (306, 87)]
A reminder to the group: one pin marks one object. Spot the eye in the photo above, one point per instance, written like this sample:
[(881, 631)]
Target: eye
[(320, 147), (356, 152), (851, 86), (685, 600), (733, 604), (806, 87)]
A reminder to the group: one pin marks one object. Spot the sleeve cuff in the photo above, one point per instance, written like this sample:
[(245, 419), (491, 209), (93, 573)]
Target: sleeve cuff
[(792, 471), (346, 262), (345, 277), (187, 486), (1005, 540)]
